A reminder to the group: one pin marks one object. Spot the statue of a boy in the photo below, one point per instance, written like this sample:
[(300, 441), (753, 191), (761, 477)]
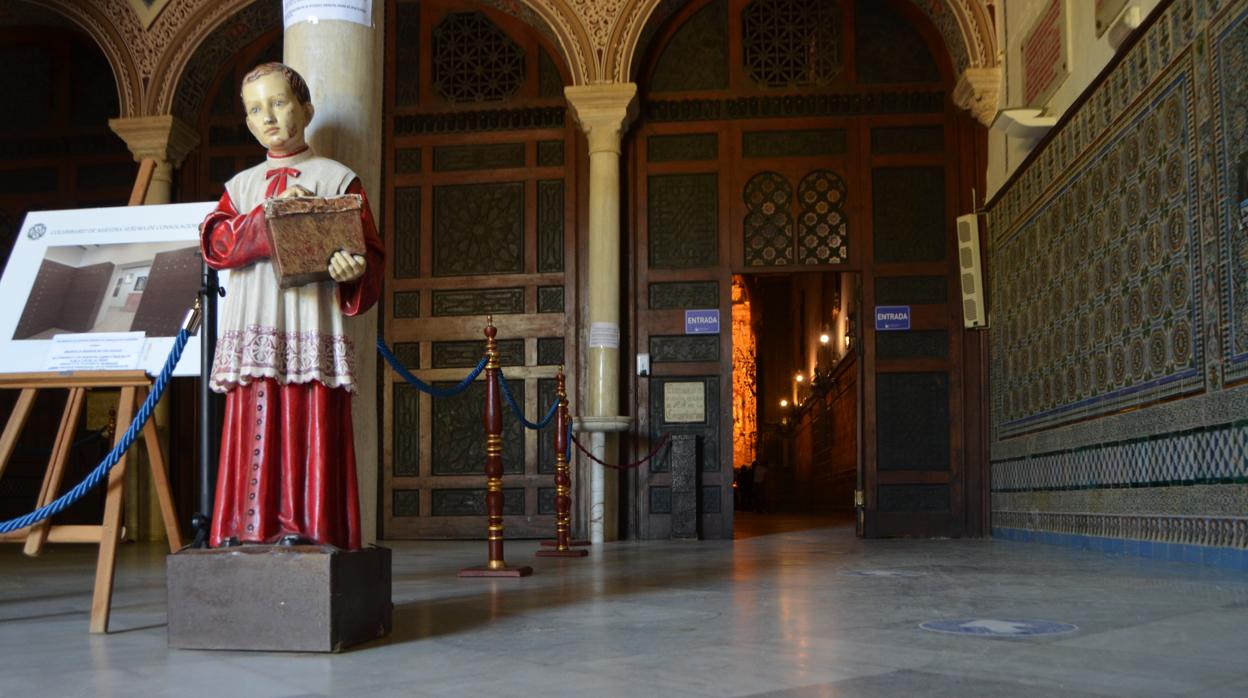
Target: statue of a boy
[(284, 360)]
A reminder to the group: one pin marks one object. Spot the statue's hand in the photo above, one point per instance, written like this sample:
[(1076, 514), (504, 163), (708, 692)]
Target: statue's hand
[(294, 190), (345, 267)]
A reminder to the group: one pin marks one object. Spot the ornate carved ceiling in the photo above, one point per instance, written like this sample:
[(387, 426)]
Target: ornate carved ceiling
[(597, 38)]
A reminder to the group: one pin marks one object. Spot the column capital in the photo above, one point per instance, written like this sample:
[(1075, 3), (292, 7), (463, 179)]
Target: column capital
[(165, 138), (977, 92), (603, 111)]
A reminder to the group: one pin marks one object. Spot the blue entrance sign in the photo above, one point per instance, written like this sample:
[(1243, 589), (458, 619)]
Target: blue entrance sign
[(892, 317), (701, 322), (990, 627)]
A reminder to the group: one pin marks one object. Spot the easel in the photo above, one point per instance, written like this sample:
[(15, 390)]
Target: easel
[(133, 386)]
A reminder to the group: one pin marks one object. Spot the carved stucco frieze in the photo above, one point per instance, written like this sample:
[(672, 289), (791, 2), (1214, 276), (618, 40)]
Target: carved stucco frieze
[(597, 38)]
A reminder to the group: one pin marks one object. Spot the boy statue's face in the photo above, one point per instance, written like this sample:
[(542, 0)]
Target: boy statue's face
[(274, 115)]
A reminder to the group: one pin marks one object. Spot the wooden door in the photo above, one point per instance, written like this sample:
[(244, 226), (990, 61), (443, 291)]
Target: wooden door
[(913, 424), (787, 136), (479, 220)]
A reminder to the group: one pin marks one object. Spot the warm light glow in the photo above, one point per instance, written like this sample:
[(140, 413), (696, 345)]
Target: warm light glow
[(800, 377), (847, 341), (784, 402), (744, 379), (824, 338)]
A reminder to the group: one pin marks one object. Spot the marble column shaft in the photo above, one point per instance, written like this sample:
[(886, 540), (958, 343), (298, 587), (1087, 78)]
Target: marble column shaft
[(342, 63)]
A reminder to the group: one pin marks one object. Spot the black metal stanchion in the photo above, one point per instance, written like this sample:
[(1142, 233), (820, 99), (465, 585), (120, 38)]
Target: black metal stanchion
[(209, 413)]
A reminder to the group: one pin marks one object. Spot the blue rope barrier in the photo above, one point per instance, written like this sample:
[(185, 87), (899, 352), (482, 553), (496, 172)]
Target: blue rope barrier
[(511, 400), (96, 476), (420, 385)]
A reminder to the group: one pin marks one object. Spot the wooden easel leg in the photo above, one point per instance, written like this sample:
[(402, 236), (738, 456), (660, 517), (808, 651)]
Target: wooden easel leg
[(110, 535), (17, 420), (56, 468), (160, 480)]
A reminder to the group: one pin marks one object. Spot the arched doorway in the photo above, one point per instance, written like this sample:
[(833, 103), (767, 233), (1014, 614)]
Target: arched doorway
[(56, 152), (793, 142), (479, 218)]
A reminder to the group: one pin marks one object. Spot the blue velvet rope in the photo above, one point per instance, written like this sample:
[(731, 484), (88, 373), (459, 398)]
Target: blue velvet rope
[(511, 400), (96, 476), (421, 385)]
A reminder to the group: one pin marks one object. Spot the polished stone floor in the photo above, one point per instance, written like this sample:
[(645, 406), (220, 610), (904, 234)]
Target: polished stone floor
[(797, 608)]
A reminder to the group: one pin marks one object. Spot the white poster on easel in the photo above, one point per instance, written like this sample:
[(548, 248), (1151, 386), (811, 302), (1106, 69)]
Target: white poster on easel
[(102, 271)]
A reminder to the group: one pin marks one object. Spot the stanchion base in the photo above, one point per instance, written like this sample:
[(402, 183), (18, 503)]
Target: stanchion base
[(487, 571), (562, 553), (573, 543)]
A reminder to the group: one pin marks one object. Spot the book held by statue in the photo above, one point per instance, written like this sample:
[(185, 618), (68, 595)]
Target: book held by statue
[(305, 231)]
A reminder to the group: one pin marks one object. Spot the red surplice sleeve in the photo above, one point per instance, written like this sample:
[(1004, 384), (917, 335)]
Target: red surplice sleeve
[(229, 240), (358, 296)]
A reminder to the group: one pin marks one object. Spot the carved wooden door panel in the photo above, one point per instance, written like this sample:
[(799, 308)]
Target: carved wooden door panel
[(478, 219)]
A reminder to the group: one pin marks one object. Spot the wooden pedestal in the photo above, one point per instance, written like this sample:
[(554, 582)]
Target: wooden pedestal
[(258, 597)]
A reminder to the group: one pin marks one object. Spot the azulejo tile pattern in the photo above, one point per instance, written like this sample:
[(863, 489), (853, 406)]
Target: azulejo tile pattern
[(1097, 300), (1215, 531), (1120, 282), (1209, 455)]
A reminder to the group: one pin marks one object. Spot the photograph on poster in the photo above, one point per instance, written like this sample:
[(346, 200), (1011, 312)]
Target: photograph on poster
[(106, 270), (104, 288)]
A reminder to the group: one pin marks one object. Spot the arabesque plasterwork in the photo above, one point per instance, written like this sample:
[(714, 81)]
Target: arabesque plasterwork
[(597, 38)]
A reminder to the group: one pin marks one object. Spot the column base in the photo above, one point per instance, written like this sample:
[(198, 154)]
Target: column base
[(504, 571), (571, 543)]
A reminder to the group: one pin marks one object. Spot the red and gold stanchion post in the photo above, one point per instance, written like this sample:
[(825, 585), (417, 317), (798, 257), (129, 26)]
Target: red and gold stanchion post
[(563, 480), (496, 567)]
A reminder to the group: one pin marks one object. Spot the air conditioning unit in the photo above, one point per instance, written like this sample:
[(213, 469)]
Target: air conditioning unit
[(974, 311)]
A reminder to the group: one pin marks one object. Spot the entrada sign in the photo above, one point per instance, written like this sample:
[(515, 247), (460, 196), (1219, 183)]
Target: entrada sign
[(892, 317), (702, 321)]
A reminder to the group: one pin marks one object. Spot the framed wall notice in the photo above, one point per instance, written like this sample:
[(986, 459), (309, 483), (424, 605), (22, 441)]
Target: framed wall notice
[(684, 402), (1044, 55)]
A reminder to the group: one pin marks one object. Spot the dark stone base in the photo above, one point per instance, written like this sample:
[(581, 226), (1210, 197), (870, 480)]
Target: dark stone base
[(299, 599), (570, 552), (572, 543), (504, 571)]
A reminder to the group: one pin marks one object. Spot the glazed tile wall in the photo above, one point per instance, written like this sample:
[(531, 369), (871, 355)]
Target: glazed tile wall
[(1119, 336)]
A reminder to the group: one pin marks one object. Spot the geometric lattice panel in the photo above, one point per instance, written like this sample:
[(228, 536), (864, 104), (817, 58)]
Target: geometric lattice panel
[(787, 43), (769, 224), (473, 60), (683, 220), (478, 229), (822, 226)]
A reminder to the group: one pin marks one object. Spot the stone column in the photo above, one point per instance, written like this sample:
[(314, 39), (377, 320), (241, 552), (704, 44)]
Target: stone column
[(167, 140), (342, 64), (604, 113)]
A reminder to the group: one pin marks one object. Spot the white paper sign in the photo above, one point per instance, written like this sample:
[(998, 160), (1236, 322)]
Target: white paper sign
[(357, 11), (604, 334), (95, 351)]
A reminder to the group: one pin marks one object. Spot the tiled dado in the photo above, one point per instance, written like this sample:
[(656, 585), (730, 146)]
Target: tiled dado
[(1216, 454), (1205, 500), (1210, 531)]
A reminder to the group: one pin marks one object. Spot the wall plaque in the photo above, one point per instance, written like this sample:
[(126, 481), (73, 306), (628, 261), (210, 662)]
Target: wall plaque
[(684, 402), (1044, 55)]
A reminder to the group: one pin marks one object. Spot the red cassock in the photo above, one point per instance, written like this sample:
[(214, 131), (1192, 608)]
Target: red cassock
[(287, 462)]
